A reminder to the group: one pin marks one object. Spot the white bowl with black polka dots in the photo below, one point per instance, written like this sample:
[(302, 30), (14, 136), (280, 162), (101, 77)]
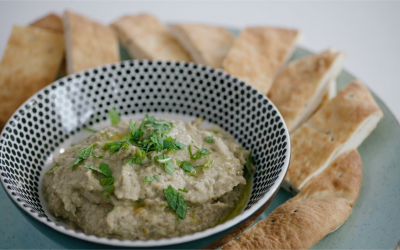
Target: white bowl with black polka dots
[(53, 119)]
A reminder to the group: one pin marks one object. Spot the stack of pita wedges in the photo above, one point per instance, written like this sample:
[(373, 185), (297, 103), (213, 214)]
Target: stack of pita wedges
[(36, 54), (325, 129)]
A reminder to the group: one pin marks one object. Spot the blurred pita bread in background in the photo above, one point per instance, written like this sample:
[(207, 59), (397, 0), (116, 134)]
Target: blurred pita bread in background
[(259, 53), (145, 37), (30, 62), (206, 44), (51, 22), (88, 43)]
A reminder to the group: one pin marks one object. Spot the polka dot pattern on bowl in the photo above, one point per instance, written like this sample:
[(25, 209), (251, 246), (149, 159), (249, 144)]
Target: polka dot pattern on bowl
[(61, 110)]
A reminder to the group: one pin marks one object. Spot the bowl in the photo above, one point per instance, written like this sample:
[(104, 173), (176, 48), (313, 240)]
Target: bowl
[(56, 116)]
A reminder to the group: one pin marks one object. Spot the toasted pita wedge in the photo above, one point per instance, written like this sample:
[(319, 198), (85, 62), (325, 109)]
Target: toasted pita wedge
[(341, 179), (145, 37), (206, 44), (30, 62), (301, 86), (50, 22), (88, 43), (339, 126), (296, 224), (258, 55)]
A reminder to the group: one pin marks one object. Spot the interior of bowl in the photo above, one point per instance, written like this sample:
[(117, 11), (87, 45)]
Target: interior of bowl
[(55, 117)]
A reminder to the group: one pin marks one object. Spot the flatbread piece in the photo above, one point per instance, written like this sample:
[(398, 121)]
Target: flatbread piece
[(341, 179), (145, 37), (88, 43), (30, 62), (302, 84), (50, 22), (297, 224), (206, 44), (259, 53), (339, 126)]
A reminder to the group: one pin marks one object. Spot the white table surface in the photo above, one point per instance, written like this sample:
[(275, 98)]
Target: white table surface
[(368, 31)]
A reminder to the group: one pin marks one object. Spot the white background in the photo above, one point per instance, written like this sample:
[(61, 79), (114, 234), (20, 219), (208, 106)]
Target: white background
[(368, 31)]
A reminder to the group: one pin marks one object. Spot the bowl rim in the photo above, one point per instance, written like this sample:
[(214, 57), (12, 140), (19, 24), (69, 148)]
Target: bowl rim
[(165, 241)]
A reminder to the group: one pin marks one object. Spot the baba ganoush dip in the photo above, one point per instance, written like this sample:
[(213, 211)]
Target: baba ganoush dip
[(148, 179)]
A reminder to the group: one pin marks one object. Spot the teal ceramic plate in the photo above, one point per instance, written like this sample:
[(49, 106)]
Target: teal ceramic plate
[(374, 222)]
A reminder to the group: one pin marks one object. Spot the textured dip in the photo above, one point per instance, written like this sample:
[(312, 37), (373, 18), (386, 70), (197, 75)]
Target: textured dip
[(159, 180)]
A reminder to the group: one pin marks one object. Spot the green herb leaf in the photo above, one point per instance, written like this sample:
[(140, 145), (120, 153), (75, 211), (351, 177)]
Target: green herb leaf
[(187, 167), (98, 156), (169, 167), (114, 116), (52, 168), (205, 165), (150, 163), (136, 159), (248, 166), (178, 162), (76, 162), (164, 205), (209, 139), (215, 131), (251, 159), (105, 168), (107, 189), (156, 177), (107, 181), (162, 158), (263, 171), (176, 201), (129, 161), (85, 152), (108, 197), (159, 126), (94, 169), (90, 130), (148, 179), (201, 153), (139, 200), (183, 190)]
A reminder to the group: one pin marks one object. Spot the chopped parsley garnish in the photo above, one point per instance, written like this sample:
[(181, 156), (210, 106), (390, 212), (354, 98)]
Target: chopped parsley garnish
[(168, 164), (176, 202), (162, 158), (183, 190), (251, 159), (209, 139), (139, 200), (90, 130), (178, 162), (157, 140), (83, 154), (187, 167), (114, 116), (98, 156), (215, 131), (248, 166), (164, 205), (201, 153), (108, 179), (52, 168), (149, 179), (169, 167), (205, 165)]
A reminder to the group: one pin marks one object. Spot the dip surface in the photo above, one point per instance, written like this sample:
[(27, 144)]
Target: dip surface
[(130, 201)]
